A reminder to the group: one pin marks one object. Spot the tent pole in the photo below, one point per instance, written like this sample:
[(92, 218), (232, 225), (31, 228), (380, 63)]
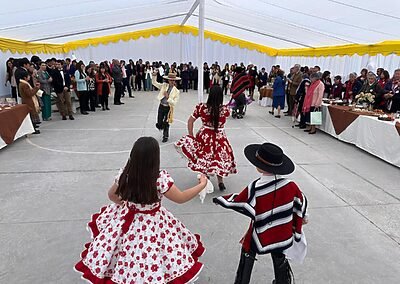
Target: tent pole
[(200, 51)]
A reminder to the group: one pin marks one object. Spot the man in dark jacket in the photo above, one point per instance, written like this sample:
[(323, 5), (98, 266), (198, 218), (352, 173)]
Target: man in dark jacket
[(61, 83), (117, 76)]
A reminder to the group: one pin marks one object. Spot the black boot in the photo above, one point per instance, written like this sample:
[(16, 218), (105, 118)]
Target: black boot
[(243, 273), (282, 270)]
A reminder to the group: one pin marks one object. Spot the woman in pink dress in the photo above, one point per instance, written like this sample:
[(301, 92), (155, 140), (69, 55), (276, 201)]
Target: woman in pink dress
[(135, 239), (209, 152)]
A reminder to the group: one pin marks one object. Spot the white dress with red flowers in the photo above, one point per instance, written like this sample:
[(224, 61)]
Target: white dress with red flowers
[(210, 151), (135, 243)]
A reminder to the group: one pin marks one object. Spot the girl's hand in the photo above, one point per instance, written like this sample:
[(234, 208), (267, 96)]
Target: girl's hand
[(203, 179)]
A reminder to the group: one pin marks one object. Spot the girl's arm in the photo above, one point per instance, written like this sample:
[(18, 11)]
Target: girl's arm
[(113, 196), (190, 124), (178, 196)]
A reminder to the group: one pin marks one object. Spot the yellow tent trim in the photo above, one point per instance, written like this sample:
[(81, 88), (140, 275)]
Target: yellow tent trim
[(15, 46), (384, 48)]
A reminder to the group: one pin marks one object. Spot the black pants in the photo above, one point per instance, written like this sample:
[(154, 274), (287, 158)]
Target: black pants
[(240, 103), (225, 86), (83, 101), (185, 85), (14, 93), (118, 92), (92, 99), (104, 101), (282, 270), (195, 84), (125, 82), (162, 120), (138, 82), (143, 78)]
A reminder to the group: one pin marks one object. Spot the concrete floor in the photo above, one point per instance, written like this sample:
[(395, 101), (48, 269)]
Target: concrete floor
[(50, 184)]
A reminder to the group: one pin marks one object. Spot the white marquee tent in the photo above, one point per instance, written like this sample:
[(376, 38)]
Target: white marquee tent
[(341, 36)]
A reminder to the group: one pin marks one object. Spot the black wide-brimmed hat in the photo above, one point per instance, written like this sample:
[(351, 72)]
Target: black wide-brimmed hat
[(270, 158)]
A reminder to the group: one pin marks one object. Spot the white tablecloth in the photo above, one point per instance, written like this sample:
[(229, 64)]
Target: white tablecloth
[(377, 137), (25, 128)]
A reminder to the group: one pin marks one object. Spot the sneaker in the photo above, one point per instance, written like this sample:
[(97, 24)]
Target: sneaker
[(278, 116), (71, 117), (64, 117), (165, 139)]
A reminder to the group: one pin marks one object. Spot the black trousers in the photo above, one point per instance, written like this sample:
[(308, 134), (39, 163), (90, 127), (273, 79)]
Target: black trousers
[(240, 103), (225, 86), (83, 101), (93, 100), (162, 120), (118, 92), (143, 78), (138, 82), (125, 82), (282, 270), (14, 93), (195, 84), (104, 101), (185, 85)]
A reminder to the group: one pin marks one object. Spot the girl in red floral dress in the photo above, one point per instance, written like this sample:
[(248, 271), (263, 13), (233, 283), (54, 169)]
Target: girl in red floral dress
[(135, 239), (210, 152)]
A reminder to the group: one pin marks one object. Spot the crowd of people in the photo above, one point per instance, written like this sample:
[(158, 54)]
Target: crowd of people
[(301, 89)]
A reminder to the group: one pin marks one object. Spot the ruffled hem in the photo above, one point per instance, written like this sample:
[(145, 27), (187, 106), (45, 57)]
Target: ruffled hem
[(193, 162), (190, 275)]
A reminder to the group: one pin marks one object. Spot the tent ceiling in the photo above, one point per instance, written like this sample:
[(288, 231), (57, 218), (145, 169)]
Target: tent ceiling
[(274, 23)]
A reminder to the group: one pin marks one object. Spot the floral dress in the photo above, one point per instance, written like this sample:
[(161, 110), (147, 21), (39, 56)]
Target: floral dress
[(210, 151), (134, 243)]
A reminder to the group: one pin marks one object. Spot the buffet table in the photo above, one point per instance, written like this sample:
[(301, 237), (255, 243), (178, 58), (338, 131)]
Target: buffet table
[(15, 122), (377, 137), (265, 98)]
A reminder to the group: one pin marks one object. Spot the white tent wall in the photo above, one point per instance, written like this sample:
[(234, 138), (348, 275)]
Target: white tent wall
[(343, 65), (4, 56), (172, 48)]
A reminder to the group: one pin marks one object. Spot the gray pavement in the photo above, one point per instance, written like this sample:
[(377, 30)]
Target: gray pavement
[(50, 184)]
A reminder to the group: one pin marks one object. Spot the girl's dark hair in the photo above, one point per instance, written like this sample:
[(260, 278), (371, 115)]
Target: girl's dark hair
[(137, 182), (214, 102), (325, 74)]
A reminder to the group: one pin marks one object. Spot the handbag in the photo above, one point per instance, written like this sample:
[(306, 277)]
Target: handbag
[(316, 117)]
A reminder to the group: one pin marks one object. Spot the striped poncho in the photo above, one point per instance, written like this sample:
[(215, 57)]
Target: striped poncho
[(239, 84), (277, 209)]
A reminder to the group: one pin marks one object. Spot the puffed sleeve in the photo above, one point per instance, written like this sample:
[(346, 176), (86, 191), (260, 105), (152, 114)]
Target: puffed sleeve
[(197, 111), (164, 182)]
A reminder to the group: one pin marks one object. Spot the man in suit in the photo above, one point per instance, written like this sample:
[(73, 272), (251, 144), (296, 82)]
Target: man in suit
[(61, 84), (262, 78)]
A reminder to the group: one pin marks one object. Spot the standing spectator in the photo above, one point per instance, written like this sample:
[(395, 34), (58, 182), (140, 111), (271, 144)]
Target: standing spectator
[(148, 71), (252, 73), (294, 82), (363, 76), (10, 77), (91, 84), (139, 74), (45, 81), (383, 78), (28, 97), (326, 80), (185, 78), (190, 69), (278, 95), (392, 92), (81, 87), (61, 84), (371, 86), (125, 80), (22, 68), (131, 73), (262, 78), (300, 95), (195, 78), (337, 88), (352, 86), (379, 72), (313, 99), (117, 77), (225, 79), (103, 81), (206, 77)]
